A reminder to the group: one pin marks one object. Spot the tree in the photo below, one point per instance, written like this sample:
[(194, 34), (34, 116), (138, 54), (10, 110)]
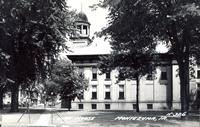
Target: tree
[(35, 33), (131, 66), (173, 22), (67, 82), (3, 66), (132, 56)]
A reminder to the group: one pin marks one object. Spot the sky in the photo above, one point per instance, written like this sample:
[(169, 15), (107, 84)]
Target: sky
[(97, 19)]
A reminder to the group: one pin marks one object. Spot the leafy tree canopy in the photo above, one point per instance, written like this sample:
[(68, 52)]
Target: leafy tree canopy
[(32, 34), (138, 25), (175, 22), (66, 80)]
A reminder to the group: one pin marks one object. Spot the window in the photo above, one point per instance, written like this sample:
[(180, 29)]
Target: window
[(94, 106), (149, 106), (107, 91), (94, 95), (79, 29), (94, 92), (85, 30), (163, 75), (121, 91), (94, 74), (107, 106), (80, 106), (198, 74), (107, 95), (134, 106), (108, 76)]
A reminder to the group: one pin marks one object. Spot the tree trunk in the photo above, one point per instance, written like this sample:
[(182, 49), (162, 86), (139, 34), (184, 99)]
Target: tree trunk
[(14, 98), (184, 85), (137, 93), (66, 103), (184, 69), (1, 98), (187, 86)]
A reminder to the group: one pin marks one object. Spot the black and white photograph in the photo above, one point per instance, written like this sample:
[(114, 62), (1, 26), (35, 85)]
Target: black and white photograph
[(99, 63)]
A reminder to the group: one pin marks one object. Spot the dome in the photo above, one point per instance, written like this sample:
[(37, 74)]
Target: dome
[(82, 17)]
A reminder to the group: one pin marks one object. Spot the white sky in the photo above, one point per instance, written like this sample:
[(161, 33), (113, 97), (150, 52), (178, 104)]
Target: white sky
[(98, 20)]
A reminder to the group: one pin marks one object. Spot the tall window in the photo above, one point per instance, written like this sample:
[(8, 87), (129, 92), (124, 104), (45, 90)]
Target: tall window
[(80, 106), (94, 73), (94, 92), (134, 106), (107, 91), (94, 106), (149, 106), (121, 91), (107, 106), (108, 76), (163, 75), (85, 31), (79, 29), (198, 74)]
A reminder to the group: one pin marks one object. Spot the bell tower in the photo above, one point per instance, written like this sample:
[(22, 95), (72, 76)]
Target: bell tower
[(81, 36)]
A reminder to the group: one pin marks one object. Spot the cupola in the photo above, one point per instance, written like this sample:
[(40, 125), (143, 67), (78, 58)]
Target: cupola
[(81, 36), (82, 25)]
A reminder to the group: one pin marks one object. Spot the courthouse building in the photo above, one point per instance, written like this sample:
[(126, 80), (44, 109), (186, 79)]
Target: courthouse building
[(158, 92)]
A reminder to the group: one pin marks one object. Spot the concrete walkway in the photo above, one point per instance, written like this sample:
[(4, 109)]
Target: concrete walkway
[(44, 119)]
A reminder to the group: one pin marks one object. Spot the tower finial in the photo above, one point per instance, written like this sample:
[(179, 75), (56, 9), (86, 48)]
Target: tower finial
[(81, 6)]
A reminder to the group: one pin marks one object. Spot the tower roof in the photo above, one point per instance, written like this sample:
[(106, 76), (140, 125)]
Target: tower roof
[(82, 17)]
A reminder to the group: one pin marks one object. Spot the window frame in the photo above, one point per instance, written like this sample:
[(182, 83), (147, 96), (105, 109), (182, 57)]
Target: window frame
[(107, 106), (79, 29), (94, 74), (107, 96), (108, 76), (149, 106), (163, 75), (86, 29), (121, 93), (134, 106), (94, 92), (79, 106), (198, 74), (107, 92), (93, 105), (94, 95)]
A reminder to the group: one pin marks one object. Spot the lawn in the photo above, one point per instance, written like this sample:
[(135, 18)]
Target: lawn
[(62, 118)]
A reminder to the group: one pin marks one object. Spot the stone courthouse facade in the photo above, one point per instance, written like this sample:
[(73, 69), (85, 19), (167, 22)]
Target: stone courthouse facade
[(157, 92)]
